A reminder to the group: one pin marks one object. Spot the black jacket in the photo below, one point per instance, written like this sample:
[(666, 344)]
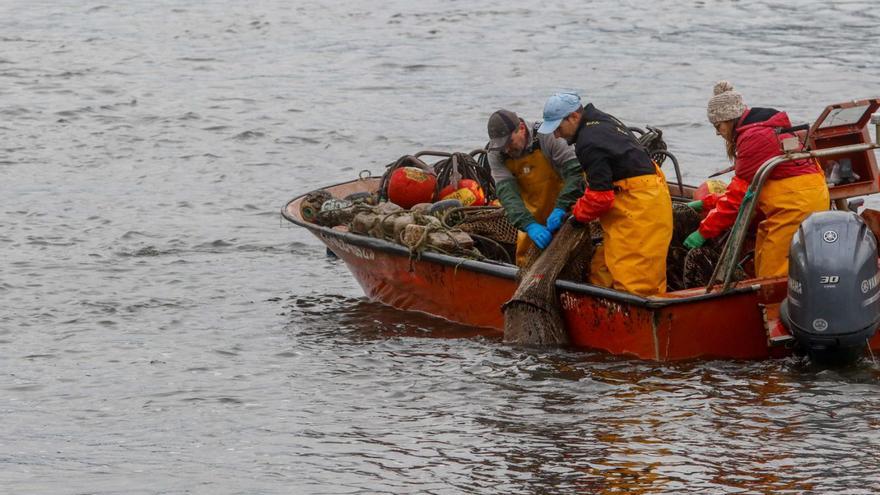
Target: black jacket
[(607, 151), (758, 115)]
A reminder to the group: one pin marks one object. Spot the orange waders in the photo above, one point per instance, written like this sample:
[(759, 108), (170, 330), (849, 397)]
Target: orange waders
[(539, 186), (636, 230), (785, 203)]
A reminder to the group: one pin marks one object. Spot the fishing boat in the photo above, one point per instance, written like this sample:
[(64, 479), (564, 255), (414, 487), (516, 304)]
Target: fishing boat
[(746, 319)]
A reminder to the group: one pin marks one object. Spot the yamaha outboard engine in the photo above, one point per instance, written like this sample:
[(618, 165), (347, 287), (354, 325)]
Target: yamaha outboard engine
[(833, 303)]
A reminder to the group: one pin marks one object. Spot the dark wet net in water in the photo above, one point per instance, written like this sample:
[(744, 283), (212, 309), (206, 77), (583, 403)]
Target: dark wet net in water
[(533, 315)]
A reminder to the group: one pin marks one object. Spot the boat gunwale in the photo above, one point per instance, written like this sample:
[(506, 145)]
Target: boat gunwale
[(503, 270)]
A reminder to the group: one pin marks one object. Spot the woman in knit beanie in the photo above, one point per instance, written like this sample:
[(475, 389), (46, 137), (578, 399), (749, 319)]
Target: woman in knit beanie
[(725, 107), (794, 189)]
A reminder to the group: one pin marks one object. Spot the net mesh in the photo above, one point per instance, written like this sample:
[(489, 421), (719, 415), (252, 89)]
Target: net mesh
[(488, 221), (533, 315)]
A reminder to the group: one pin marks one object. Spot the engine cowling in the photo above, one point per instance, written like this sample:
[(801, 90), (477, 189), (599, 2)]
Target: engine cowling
[(833, 303)]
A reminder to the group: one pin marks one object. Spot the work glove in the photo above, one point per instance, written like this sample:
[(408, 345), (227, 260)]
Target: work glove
[(696, 205), (694, 240), (554, 221), (539, 234)]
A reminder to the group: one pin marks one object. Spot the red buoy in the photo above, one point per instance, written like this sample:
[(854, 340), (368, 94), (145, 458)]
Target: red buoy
[(410, 186)]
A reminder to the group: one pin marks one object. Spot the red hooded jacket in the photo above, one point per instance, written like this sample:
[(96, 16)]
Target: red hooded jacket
[(756, 142)]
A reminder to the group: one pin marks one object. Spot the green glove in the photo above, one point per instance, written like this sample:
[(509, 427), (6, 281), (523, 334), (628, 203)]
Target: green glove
[(694, 240), (696, 205)]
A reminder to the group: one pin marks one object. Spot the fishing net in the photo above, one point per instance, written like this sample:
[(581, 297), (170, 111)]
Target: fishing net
[(699, 264), (533, 315), (417, 230), (684, 221), (488, 221), (435, 237), (493, 234), (310, 206), (688, 268)]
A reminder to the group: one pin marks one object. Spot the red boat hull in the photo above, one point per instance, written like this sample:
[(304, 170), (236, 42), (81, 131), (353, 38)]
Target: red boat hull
[(681, 325)]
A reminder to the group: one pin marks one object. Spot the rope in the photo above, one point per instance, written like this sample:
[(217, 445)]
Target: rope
[(468, 168), (421, 243), (498, 246), (463, 163)]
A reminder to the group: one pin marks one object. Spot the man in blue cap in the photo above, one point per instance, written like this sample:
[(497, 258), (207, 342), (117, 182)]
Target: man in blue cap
[(625, 191), (537, 178)]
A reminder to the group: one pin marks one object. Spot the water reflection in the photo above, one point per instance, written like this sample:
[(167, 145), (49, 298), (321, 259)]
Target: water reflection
[(591, 422)]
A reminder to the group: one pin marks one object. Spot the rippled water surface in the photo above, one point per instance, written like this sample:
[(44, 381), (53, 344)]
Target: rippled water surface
[(162, 331)]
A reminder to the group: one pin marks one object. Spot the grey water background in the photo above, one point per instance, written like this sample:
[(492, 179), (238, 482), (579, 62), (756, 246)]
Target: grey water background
[(162, 331)]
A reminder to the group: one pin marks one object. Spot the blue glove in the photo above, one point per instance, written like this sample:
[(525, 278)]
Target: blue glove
[(694, 240), (697, 206), (539, 234), (554, 221)]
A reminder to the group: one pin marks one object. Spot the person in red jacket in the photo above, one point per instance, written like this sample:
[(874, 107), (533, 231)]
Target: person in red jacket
[(793, 190)]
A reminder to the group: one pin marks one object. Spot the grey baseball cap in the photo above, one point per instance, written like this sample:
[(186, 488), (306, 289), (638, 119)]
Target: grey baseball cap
[(501, 125)]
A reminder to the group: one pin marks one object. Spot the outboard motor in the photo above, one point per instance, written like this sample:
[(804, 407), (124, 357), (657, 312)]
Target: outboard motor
[(833, 303)]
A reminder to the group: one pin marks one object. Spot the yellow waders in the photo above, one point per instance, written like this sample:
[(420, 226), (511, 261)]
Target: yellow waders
[(636, 231), (539, 186), (785, 204)]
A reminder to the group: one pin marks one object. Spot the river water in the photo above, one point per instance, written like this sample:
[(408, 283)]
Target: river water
[(163, 331)]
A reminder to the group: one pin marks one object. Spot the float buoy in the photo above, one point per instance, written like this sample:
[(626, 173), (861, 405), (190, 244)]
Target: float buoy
[(711, 186), (469, 193), (410, 186)]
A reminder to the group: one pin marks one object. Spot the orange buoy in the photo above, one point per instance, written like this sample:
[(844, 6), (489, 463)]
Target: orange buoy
[(473, 186), (410, 186), (465, 195), (711, 186)]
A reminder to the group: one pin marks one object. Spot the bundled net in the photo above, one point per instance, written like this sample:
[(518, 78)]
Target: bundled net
[(686, 268), (533, 316), (577, 269), (684, 221), (699, 264), (415, 229), (488, 221), (310, 207)]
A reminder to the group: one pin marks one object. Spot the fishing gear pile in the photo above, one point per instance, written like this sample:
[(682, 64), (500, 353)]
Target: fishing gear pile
[(409, 181), (444, 207)]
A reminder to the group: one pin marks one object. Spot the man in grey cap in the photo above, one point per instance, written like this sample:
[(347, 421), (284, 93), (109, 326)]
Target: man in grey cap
[(537, 178)]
